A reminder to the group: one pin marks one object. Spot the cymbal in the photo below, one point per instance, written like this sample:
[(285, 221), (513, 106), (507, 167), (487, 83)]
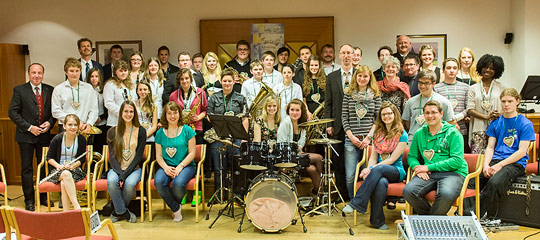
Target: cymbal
[(316, 122), (323, 141), (226, 142)]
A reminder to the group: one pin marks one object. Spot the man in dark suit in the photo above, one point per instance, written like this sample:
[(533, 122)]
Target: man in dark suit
[(336, 82), (116, 52), (86, 51), (404, 48), (171, 85), (30, 110)]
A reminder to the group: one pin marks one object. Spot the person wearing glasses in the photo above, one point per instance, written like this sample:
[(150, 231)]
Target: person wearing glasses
[(136, 67), (241, 62), (393, 90), (413, 114), (411, 66)]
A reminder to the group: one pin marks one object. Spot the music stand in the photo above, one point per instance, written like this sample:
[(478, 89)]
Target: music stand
[(226, 127), (530, 92)]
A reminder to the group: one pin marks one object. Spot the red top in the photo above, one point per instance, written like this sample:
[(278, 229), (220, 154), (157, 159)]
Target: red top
[(177, 97)]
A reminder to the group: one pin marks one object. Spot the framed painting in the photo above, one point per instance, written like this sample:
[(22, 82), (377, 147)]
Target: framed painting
[(103, 47), (437, 41)]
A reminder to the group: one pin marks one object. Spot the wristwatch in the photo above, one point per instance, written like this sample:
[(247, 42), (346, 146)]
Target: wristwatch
[(182, 165)]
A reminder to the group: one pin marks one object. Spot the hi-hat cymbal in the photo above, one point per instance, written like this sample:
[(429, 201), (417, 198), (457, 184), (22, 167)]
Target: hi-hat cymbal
[(316, 122), (226, 142), (323, 141)]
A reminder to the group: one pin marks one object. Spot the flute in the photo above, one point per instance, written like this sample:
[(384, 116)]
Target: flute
[(56, 172)]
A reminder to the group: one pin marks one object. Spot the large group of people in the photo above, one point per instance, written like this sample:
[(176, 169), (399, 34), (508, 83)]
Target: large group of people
[(409, 102)]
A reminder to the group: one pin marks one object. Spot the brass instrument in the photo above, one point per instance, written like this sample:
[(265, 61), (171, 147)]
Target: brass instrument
[(186, 115), (257, 105), (210, 135), (312, 130)]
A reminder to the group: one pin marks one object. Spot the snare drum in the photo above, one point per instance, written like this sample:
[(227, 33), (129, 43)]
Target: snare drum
[(285, 153), (271, 201), (254, 155)]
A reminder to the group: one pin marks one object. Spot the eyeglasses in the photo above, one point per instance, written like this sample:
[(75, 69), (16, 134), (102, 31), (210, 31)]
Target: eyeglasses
[(409, 64), (242, 49), (387, 114), (136, 60), (424, 83)]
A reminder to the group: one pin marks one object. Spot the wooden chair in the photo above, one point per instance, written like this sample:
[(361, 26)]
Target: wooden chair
[(193, 184), (4, 223), (475, 164), (394, 189), (99, 184), (3, 185), (48, 187), (74, 224)]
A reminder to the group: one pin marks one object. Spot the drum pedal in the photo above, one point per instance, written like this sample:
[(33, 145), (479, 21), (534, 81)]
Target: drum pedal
[(305, 201)]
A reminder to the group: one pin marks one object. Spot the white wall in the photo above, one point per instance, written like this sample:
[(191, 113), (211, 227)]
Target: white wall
[(51, 28)]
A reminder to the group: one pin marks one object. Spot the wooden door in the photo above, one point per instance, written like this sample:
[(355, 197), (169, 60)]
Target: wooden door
[(12, 73), (220, 35)]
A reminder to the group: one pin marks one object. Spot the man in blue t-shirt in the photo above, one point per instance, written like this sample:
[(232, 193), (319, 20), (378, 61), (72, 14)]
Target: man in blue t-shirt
[(507, 152)]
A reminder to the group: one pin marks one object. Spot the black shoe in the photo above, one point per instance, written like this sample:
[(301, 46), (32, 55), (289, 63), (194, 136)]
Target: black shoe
[(30, 207), (401, 200), (43, 202), (391, 205)]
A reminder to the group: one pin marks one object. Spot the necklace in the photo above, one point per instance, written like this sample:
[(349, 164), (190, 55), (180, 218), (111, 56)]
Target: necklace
[(144, 118), (453, 101), (126, 153), (73, 145), (509, 141), (487, 104), (75, 104), (420, 118), (361, 109), (171, 151)]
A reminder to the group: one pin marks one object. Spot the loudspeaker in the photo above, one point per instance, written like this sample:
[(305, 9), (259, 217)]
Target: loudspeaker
[(511, 206), (24, 50), (508, 38)]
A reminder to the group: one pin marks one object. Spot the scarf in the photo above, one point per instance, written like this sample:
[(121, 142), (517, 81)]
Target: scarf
[(387, 86), (385, 146)]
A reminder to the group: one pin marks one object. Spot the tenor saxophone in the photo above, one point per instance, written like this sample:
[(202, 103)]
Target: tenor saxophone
[(186, 115)]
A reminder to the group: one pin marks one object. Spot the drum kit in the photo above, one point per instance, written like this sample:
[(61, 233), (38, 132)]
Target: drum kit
[(271, 200)]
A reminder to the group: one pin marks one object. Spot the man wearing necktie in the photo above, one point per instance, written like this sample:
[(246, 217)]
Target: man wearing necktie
[(30, 110), (85, 50), (336, 82)]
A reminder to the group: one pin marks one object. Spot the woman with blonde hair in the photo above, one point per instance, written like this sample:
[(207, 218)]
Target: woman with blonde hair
[(211, 71), (156, 79), (359, 114), (467, 72), (266, 126), (314, 85), (427, 56), (117, 90), (64, 148), (147, 111)]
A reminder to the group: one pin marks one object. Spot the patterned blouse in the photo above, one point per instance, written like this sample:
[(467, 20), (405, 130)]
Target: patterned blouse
[(267, 133)]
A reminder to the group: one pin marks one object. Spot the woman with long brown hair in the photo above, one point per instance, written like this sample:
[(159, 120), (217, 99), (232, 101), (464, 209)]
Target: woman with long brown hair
[(126, 148), (117, 90), (314, 85), (147, 111), (384, 166), (289, 131)]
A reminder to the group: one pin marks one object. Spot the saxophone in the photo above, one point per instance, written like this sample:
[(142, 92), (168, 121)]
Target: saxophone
[(186, 115), (312, 131)]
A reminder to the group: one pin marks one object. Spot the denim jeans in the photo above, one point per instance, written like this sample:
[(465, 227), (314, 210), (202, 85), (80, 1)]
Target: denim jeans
[(447, 185), (496, 186), (122, 196), (173, 196), (374, 188), (353, 155), (227, 158)]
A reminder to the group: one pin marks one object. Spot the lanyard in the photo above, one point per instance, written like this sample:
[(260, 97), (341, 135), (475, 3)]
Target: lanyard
[(438, 142), (420, 103), (448, 93), (513, 129), (225, 102), (187, 101), (72, 148), (490, 90), (313, 81), (78, 93), (362, 103)]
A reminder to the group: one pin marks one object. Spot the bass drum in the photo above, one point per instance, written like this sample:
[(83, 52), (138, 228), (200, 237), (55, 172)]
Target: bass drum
[(271, 201)]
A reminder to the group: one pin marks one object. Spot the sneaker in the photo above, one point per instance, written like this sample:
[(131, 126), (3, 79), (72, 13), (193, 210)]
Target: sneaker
[(184, 199), (383, 227), (177, 216), (114, 218), (348, 209), (129, 216), (194, 202)]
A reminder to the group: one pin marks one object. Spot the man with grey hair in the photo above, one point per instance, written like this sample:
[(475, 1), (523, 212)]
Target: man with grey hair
[(404, 48), (413, 114)]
